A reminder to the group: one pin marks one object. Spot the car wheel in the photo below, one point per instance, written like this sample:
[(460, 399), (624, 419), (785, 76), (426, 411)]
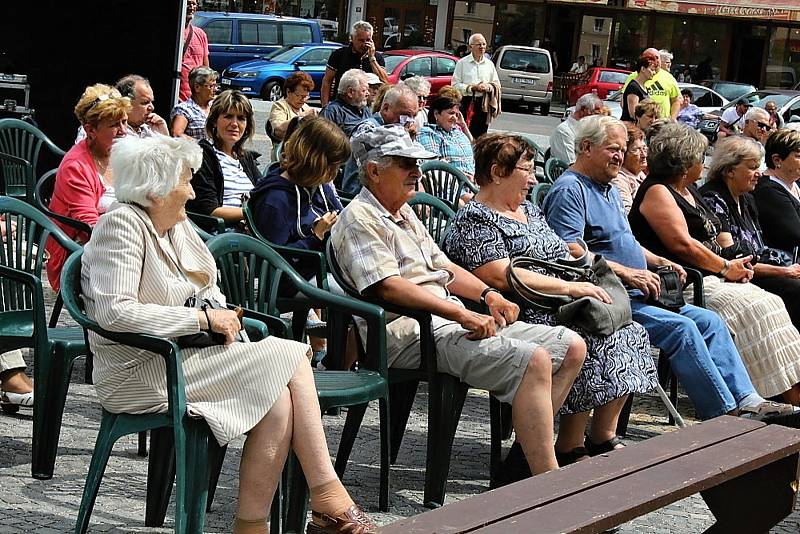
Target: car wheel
[(272, 92), (545, 110)]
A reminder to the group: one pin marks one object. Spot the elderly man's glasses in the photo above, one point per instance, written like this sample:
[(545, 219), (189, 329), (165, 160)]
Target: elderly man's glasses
[(764, 126)]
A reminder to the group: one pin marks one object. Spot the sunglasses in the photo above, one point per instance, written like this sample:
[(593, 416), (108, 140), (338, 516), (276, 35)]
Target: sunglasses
[(763, 126)]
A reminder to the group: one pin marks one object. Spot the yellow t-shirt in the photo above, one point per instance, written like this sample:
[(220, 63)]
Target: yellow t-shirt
[(662, 88)]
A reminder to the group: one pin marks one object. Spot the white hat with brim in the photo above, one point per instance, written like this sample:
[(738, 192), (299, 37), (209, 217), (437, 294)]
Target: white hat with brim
[(390, 140)]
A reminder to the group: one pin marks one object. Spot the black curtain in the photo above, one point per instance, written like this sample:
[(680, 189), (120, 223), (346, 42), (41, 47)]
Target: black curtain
[(64, 46)]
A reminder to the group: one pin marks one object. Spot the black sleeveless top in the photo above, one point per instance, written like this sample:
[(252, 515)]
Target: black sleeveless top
[(703, 224)]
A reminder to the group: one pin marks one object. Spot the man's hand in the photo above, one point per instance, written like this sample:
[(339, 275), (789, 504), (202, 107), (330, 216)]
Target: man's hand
[(157, 124), (646, 281), (371, 49), (792, 271), (480, 326), (503, 311)]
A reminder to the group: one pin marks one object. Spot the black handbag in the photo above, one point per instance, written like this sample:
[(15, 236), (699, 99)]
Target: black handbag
[(206, 338), (671, 295), (588, 313)]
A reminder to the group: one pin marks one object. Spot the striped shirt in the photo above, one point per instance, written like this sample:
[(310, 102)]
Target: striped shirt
[(237, 184), (195, 116), (453, 146)]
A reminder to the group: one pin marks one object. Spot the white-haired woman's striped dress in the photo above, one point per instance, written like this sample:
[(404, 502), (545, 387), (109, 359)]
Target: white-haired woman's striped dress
[(131, 283)]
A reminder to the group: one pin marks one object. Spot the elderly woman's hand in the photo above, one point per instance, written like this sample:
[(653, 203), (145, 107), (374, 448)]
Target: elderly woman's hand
[(224, 322), (740, 270), (588, 289)]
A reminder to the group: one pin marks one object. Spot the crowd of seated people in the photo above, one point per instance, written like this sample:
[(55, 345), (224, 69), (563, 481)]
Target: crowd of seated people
[(629, 194)]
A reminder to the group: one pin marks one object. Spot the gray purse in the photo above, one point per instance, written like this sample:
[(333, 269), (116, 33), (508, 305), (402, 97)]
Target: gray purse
[(587, 313)]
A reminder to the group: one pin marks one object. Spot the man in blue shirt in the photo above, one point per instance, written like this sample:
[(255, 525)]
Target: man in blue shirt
[(582, 204), (350, 106)]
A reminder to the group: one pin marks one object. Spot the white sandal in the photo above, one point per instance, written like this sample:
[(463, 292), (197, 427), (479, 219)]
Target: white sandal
[(17, 399)]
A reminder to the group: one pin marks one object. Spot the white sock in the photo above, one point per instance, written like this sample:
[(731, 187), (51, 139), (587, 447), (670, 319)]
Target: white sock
[(751, 401)]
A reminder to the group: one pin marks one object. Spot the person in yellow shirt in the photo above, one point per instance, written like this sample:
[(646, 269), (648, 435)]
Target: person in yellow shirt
[(662, 87)]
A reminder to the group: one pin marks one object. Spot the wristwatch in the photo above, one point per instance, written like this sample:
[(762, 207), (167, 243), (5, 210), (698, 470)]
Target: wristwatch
[(725, 268), (486, 292)]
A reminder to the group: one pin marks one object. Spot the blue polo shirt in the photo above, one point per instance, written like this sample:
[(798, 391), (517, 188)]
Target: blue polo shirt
[(578, 207)]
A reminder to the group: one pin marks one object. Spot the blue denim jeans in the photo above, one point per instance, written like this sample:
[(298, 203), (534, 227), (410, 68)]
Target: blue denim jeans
[(701, 353)]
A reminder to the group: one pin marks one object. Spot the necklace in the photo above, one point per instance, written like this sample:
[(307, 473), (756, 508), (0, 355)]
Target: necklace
[(102, 168)]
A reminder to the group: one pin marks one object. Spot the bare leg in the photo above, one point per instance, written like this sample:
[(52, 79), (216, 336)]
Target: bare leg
[(15, 381), (263, 457), (566, 374), (532, 413), (570, 431), (604, 420)]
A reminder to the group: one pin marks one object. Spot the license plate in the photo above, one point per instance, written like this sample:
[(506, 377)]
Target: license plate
[(225, 81), (524, 81)]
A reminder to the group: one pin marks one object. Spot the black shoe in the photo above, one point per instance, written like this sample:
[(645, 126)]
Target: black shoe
[(570, 457), (513, 469)]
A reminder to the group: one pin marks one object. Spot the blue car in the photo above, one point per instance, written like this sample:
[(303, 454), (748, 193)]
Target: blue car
[(265, 77)]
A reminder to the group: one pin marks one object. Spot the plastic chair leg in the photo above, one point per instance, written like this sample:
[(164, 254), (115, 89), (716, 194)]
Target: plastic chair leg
[(102, 450), (355, 414), (50, 390), (141, 448), (87, 372), (195, 491), (383, 497), (496, 433), (160, 474), (216, 455), (451, 400), (624, 417), (56, 311), (506, 425), (401, 397)]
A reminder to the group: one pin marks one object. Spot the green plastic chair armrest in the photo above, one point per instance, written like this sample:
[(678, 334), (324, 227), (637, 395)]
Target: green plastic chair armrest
[(34, 285), (207, 221), (270, 325)]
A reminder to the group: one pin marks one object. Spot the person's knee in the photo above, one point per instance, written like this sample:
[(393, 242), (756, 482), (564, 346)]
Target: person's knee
[(540, 365), (575, 355)]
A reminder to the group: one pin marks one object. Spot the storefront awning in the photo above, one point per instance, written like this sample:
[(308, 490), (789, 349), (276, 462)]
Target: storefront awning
[(784, 10)]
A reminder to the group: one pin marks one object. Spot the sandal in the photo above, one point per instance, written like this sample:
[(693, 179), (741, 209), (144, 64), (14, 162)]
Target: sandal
[(11, 402), (351, 521), (602, 448), (570, 457)]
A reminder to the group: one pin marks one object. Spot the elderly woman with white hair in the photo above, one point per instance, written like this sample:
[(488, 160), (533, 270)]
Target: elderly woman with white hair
[(422, 87), (671, 219), (732, 177), (143, 263)]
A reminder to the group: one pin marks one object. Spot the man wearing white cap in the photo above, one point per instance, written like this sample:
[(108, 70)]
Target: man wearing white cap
[(385, 250)]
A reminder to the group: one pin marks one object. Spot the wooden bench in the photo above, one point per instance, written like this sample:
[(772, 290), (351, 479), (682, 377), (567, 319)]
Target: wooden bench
[(747, 473)]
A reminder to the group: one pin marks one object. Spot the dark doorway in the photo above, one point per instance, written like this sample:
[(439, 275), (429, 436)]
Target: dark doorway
[(565, 40)]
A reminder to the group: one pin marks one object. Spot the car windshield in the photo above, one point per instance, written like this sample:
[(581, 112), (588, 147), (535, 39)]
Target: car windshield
[(610, 76), (284, 55), (392, 62), (760, 98), (732, 91), (525, 61)]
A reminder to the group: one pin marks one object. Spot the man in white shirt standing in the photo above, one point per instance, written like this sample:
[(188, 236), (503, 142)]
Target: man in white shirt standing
[(473, 77)]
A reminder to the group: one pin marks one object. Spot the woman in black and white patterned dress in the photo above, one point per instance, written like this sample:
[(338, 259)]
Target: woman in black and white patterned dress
[(500, 224)]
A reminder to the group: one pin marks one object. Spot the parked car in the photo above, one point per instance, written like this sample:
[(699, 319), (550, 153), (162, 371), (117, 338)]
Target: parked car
[(526, 76), (787, 101), (265, 77), (730, 90), (600, 80), (780, 77), (706, 99), (236, 37), (437, 67)]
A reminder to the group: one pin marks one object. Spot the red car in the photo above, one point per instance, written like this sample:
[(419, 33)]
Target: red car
[(437, 67), (599, 80)]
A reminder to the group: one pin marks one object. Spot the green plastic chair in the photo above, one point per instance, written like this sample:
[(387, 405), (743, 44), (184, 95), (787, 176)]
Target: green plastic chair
[(23, 323), (299, 306), (538, 192), (250, 272), (208, 223), (23, 140), (434, 214), (553, 168), (539, 157), (446, 396), (446, 182)]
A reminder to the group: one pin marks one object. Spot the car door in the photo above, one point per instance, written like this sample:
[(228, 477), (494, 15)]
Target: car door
[(705, 99), (221, 51), (257, 38), (443, 68), (313, 63), (421, 66), (792, 109)]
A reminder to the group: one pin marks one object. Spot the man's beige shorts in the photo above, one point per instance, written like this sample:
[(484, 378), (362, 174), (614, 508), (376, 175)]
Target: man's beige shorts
[(496, 364)]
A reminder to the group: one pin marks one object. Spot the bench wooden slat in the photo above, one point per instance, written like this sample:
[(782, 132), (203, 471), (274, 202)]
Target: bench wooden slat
[(496, 505), (607, 505)]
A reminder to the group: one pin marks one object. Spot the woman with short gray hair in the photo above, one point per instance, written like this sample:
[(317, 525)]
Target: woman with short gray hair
[(142, 269), (671, 219), (188, 118)]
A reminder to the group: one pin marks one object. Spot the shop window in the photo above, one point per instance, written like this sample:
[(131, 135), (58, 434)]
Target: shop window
[(518, 24), (630, 38), (468, 18)]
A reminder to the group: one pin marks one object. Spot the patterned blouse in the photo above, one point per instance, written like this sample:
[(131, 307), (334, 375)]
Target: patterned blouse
[(196, 117), (237, 184), (453, 146)]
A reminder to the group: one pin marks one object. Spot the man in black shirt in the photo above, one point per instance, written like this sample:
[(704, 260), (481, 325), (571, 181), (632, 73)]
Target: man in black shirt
[(360, 54)]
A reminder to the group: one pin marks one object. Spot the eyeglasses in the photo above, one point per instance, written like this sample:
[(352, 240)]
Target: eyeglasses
[(405, 119), (642, 151), (101, 98), (764, 126), (211, 86), (527, 170), (422, 99), (302, 96)]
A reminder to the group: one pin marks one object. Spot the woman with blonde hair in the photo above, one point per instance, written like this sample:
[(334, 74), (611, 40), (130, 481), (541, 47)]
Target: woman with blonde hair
[(84, 182), (229, 171)]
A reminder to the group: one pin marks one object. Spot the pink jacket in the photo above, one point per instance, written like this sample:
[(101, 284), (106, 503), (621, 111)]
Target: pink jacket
[(76, 194)]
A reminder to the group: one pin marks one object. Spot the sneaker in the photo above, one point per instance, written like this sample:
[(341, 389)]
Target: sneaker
[(773, 413)]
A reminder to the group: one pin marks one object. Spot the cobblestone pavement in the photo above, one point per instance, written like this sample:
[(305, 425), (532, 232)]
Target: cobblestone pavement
[(28, 505)]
